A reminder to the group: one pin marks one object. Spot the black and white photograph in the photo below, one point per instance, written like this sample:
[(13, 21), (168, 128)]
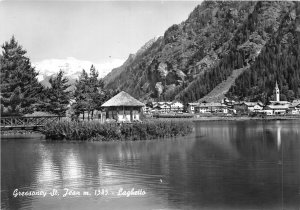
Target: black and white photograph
[(150, 105)]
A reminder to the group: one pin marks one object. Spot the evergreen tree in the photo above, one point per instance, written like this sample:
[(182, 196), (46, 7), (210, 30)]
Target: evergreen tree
[(97, 93), (57, 97), (89, 93), (20, 89), (80, 95)]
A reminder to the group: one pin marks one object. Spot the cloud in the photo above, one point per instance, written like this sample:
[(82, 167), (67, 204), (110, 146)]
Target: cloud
[(73, 67)]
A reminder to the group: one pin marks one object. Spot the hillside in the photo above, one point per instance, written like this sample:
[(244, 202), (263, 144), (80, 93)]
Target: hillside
[(201, 53), (278, 61), (115, 73), (221, 90)]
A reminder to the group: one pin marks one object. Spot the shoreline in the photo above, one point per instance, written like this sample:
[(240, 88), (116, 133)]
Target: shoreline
[(245, 118), (199, 117), (18, 133)]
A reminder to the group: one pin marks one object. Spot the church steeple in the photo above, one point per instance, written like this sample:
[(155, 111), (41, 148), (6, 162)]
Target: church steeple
[(277, 92)]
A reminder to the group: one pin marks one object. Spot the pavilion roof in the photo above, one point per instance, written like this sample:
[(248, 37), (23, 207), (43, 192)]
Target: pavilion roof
[(123, 99)]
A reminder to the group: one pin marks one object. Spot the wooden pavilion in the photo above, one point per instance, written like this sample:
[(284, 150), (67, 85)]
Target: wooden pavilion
[(123, 108)]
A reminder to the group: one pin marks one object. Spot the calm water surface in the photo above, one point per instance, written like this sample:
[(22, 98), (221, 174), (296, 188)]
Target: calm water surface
[(222, 165)]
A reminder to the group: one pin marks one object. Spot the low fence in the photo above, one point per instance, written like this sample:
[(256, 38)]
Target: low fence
[(16, 122)]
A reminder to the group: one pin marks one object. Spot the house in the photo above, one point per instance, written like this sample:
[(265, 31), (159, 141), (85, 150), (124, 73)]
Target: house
[(296, 101), (294, 107), (240, 108), (176, 107), (277, 108), (228, 103), (123, 108), (167, 106), (191, 107), (254, 106), (161, 107), (258, 107), (147, 109), (155, 108), (211, 108), (202, 108)]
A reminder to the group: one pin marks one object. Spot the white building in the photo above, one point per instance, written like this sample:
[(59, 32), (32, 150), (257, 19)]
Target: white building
[(254, 106), (211, 108), (167, 106), (122, 108), (191, 107), (277, 106), (177, 107), (295, 107)]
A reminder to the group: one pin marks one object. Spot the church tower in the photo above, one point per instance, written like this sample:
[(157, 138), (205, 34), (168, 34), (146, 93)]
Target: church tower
[(277, 92)]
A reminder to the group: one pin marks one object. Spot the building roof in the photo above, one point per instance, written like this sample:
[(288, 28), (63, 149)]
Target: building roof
[(279, 102), (122, 99), (193, 104), (162, 103), (280, 106), (212, 104), (164, 106), (294, 104), (296, 101), (251, 103), (176, 104)]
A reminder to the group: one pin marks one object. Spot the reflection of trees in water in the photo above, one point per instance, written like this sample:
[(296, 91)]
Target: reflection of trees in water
[(119, 164), (256, 144), (271, 151), (266, 150), (224, 167), (229, 164), (265, 141)]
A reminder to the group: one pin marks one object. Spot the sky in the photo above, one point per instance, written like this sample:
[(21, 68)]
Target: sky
[(100, 32)]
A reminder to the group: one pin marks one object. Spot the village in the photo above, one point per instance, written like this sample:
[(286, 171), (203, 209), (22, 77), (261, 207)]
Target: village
[(125, 108), (227, 107)]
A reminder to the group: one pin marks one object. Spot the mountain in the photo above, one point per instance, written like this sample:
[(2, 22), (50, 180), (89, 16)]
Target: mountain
[(279, 61), (115, 73), (45, 81), (72, 67), (203, 54)]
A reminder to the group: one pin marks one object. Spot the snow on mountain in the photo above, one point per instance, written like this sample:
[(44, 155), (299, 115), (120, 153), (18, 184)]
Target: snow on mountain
[(73, 67)]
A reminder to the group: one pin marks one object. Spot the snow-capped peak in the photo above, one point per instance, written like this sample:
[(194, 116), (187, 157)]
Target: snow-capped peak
[(73, 67)]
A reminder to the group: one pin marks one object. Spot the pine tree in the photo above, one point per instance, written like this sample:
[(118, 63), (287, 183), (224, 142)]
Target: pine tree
[(20, 89), (90, 93), (80, 94), (57, 96), (86, 92)]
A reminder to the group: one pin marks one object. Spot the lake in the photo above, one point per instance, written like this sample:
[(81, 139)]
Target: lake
[(221, 165)]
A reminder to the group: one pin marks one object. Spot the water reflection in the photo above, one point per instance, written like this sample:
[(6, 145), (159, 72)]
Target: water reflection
[(267, 161), (223, 165)]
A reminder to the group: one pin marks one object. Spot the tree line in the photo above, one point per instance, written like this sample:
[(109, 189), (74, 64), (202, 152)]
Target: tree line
[(22, 93)]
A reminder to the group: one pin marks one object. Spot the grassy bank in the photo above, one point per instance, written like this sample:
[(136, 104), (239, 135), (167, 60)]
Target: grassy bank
[(95, 131)]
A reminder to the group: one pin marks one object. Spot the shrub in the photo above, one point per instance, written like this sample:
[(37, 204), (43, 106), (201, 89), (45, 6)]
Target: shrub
[(96, 131)]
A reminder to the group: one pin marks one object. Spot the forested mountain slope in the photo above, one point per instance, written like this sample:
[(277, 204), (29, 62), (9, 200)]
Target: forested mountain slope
[(279, 61), (194, 57)]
